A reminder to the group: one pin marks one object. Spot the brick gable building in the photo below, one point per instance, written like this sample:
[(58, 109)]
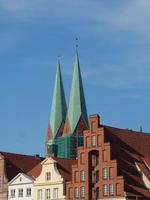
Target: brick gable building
[(107, 165)]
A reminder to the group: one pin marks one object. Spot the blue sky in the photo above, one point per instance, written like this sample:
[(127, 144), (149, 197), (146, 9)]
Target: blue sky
[(114, 51)]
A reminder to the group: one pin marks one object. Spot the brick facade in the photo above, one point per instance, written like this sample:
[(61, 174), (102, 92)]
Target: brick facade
[(3, 181), (94, 162)]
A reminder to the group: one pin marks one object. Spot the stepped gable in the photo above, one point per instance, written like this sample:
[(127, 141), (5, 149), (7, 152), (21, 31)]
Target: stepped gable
[(16, 163), (131, 148), (64, 167)]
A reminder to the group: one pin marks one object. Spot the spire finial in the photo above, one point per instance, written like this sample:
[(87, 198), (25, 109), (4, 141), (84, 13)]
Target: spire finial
[(77, 43), (59, 58)]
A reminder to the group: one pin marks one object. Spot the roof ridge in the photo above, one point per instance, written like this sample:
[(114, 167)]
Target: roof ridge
[(126, 129)]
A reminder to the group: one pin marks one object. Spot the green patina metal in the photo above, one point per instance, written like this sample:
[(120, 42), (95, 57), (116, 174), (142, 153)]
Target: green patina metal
[(65, 146), (77, 105), (59, 107)]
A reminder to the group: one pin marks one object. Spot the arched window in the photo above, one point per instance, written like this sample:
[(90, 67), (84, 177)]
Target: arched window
[(105, 190), (93, 140), (82, 189), (111, 189), (105, 173), (76, 192), (82, 175)]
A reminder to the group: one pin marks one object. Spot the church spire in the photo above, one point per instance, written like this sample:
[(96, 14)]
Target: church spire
[(77, 107), (58, 108)]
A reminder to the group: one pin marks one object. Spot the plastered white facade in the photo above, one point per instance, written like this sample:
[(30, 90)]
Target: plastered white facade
[(20, 182), (56, 181)]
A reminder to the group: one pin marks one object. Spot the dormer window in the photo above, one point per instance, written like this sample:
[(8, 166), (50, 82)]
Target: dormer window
[(48, 176)]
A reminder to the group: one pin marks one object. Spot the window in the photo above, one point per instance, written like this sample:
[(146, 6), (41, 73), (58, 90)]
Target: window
[(12, 193), (48, 176), (82, 192), (76, 192), (105, 173), (94, 140), (111, 189), (20, 192), (39, 194), (105, 190), (48, 194), (55, 193), (82, 175), (1, 182), (28, 194)]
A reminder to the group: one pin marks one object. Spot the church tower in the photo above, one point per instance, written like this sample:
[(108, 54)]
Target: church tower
[(65, 131), (58, 110), (77, 119)]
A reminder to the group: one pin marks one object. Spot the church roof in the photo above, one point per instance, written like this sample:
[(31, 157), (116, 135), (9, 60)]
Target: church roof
[(58, 108), (77, 105)]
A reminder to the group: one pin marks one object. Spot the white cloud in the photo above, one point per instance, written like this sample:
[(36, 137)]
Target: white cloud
[(129, 15)]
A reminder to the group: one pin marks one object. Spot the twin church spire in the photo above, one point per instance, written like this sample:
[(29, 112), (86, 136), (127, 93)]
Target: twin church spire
[(74, 119), (59, 106)]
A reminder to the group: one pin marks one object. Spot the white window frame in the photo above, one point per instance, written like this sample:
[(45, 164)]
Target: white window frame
[(93, 140), (55, 193), (111, 189), (39, 194), (28, 192), (105, 190), (47, 194), (20, 192), (105, 173), (82, 175), (76, 192), (48, 176), (82, 192), (12, 193)]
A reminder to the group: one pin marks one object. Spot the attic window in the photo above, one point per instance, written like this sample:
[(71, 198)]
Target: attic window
[(20, 179), (48, 176)]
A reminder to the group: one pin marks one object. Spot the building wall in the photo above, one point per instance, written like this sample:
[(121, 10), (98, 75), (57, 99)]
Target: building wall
[(92, 159), (21, 181), (56, 181), (3, 181)]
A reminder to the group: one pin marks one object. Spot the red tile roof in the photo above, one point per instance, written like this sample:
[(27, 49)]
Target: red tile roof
[(64, 167), (35, 172), (128, 147), (16, 163)]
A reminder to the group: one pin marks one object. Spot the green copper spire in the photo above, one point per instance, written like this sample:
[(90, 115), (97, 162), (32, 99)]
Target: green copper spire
[(77, 105), (58, 108)]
